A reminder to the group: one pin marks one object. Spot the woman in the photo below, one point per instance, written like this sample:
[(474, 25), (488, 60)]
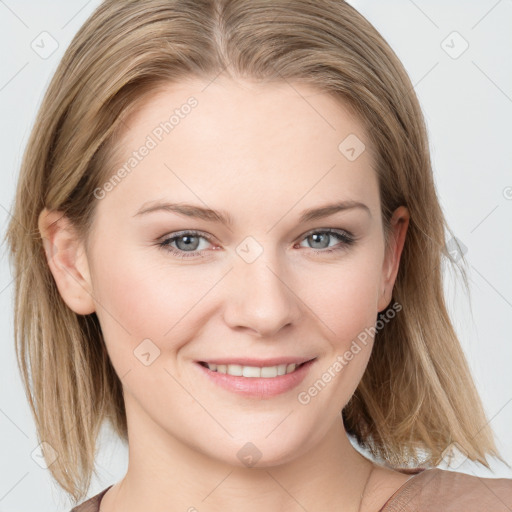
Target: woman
[(238, 266)]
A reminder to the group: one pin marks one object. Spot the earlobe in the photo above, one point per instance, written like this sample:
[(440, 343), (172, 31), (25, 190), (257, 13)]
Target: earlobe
[(67, 260), (399, 224)]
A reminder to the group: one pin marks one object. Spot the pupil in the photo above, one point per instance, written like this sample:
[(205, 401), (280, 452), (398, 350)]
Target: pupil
[(317, 238), (189, 241)]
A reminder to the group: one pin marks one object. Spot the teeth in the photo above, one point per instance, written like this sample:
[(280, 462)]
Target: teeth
[(253, 371)]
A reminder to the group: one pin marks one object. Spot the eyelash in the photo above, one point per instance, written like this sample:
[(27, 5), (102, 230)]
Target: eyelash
[(346, 238)]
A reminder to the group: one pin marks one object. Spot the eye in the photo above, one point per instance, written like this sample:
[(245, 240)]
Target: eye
[(186, 242), (320, 239)]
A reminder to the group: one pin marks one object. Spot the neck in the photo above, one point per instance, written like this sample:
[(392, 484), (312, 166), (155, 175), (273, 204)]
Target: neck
[(166, 474)]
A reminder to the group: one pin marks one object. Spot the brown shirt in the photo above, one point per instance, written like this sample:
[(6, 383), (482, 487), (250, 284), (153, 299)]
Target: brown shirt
[(429, 490)]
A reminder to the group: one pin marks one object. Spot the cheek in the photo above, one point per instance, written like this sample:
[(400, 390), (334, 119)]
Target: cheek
[(343, 296), (137, 301)]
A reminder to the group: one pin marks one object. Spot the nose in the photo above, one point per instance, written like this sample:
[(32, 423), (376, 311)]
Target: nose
[(260, 297)]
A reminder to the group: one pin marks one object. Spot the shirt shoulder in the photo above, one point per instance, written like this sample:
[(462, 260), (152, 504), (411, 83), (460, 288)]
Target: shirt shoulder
[(92, 504), (436, 489)]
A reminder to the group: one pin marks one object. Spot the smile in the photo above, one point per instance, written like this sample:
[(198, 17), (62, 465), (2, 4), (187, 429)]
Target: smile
[(261, 382), (267, 372)]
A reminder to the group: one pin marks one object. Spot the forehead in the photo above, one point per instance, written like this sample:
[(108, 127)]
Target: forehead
[(272, 144)]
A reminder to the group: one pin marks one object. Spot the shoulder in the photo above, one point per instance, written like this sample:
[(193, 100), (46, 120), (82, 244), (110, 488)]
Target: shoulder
[(92, 504), (438, 489)]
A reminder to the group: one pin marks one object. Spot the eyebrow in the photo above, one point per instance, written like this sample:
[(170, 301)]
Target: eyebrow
[(226, 219)]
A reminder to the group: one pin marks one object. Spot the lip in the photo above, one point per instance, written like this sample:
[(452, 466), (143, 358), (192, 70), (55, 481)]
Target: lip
[(258, 387)]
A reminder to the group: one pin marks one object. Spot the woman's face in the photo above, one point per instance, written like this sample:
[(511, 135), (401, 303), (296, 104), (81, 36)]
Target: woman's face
[(259, 278)]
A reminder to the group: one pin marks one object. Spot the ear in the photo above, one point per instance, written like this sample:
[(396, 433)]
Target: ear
[(67, 260), (399, 224)]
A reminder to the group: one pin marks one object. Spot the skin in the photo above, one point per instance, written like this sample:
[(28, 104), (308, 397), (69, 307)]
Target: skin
[(263, 154)]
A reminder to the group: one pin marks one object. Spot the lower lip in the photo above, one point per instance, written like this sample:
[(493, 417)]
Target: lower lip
[(258, 387)]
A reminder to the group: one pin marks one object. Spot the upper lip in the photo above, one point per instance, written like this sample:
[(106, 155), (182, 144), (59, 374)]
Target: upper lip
[(247, 361)]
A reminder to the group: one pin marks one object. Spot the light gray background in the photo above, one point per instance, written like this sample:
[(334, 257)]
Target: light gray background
[(467, 102)]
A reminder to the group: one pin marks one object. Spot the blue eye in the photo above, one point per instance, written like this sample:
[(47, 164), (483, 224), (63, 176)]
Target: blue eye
[(184, 240), (318, 237), (187, 242)]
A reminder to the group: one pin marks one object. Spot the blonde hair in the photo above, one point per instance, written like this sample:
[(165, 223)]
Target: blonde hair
[(416, 396)]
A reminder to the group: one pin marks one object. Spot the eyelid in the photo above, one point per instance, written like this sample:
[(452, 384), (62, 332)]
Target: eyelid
[(191, 232), (327, 230)]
